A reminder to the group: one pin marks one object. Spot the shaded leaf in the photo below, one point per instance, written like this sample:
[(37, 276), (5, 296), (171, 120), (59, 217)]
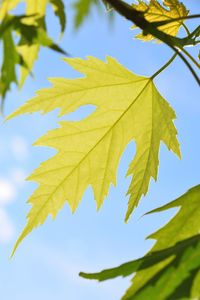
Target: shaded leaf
[(10, 59), (30, 52), (174, 281), (128, 107), (171, 270), (31, 37), (59, 10), (31, 29)]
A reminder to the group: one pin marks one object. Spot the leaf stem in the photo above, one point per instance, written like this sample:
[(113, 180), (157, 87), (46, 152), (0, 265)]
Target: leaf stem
[(137, 17), (186, 29), (165, 66), (160, 23), (190, 57), (188, 17)]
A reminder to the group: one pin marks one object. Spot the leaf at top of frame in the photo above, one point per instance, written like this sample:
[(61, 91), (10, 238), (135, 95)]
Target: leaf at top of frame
[(154, 12), (82, 9)]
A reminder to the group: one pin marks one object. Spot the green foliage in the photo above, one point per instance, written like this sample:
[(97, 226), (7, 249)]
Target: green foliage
[(171, 270), (59, 10), (128, 107), (82, 9), (31, 30), (8, 74)]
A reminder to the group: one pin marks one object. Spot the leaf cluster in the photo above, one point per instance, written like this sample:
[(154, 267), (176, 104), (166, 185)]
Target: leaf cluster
[(22, 36)]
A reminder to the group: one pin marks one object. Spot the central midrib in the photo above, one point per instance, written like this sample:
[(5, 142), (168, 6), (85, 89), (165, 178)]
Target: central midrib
[(90, 151)]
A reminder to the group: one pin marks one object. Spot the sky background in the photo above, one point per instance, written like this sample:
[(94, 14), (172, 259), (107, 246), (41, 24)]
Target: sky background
[(47, 262)]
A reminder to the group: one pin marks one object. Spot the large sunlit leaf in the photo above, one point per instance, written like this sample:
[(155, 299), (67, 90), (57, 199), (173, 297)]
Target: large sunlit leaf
[(154, 12), (128, 107), (171, 270)]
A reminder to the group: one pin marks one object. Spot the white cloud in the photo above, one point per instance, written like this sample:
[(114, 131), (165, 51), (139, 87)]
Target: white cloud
[(18, 176), (7, 191), (68, 268), (19, 148), (6, 227), (10, 185)]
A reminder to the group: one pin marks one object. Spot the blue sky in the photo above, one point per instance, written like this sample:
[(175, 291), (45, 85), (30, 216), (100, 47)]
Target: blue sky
[(46, 264)]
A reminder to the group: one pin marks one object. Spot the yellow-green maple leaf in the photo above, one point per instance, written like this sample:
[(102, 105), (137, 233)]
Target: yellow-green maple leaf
[(154, 12), (128, 107)]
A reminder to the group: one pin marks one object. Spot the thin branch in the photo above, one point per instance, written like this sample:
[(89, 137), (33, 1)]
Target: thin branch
[(160, 23), (164, 67), (188, 65), (190, 57), (186, 29), (137, 17)]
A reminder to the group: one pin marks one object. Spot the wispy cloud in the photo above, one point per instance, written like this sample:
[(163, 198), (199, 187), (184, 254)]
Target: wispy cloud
[(19, 148), (14, 147), (18, 176), (7, 228), (7, 191), (9, 188), (67, 269)]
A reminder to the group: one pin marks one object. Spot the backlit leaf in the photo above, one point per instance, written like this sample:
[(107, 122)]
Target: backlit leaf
[(154, 12), (128, 107), (171, 270)]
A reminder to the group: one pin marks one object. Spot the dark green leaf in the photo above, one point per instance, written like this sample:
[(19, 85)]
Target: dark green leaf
[(59, 10), (171, 270), (82, 10), (10, 59)]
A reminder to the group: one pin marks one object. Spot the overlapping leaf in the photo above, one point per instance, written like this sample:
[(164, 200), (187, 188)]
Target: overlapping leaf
[(154, 12), (128, 107), (171, 270), (32, 32), (59, 10), (8, 74)]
